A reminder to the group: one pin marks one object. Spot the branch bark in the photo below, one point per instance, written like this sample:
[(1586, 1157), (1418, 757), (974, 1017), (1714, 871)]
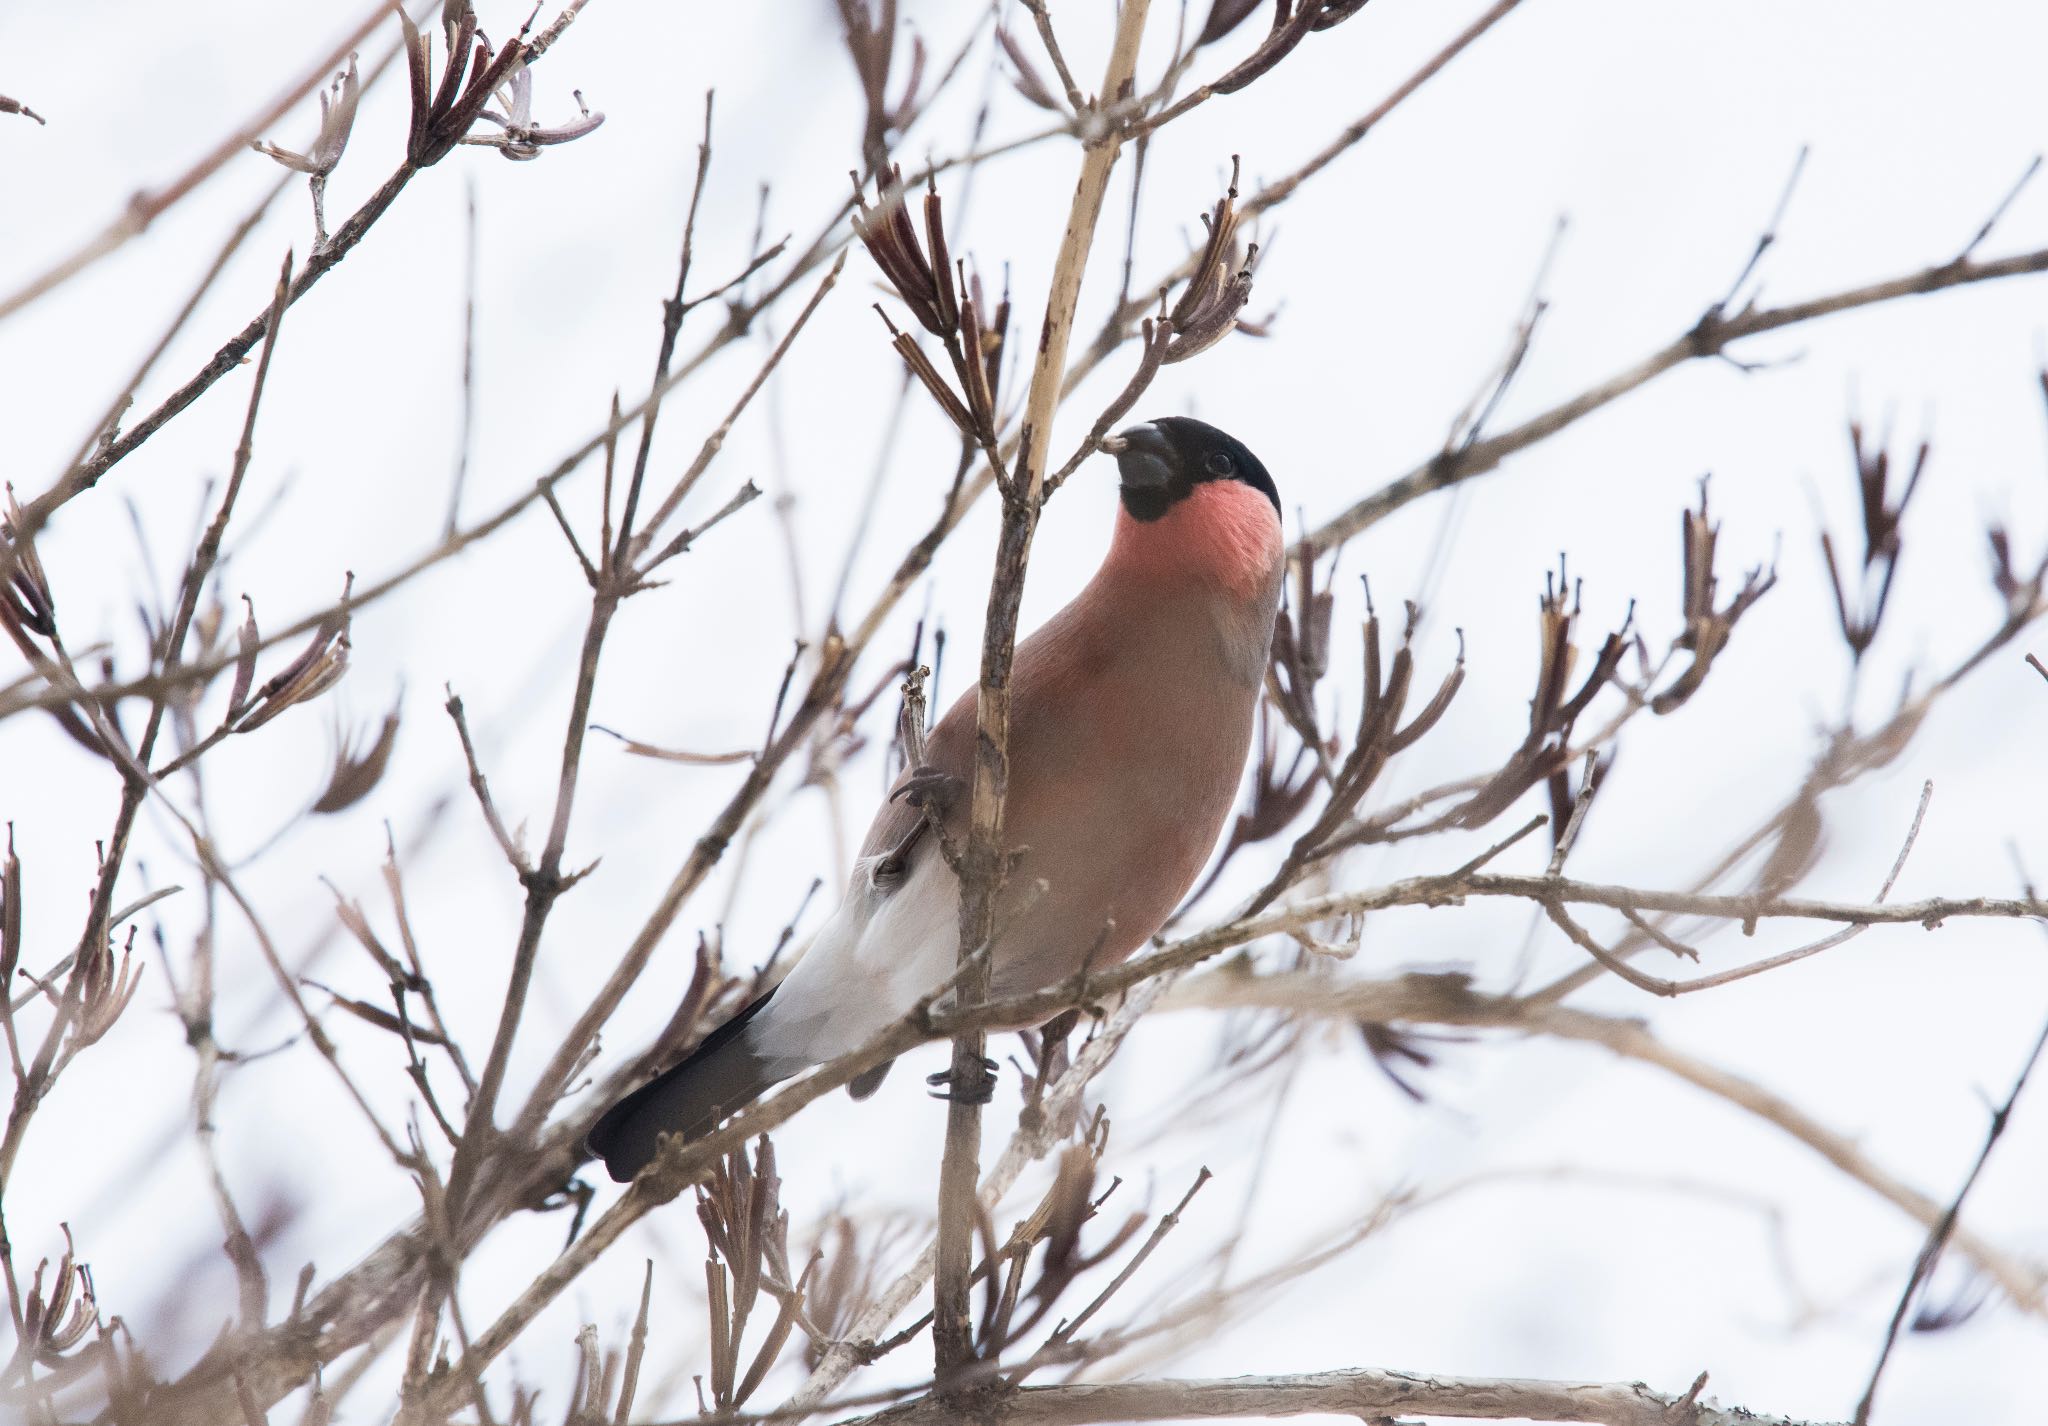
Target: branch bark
[(982, 863), (1367, 1395)]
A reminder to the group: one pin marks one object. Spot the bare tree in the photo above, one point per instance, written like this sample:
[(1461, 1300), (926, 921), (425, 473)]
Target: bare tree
[(472, 1077)]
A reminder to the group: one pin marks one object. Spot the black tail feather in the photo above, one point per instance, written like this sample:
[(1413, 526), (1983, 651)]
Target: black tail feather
[(721, 1075)]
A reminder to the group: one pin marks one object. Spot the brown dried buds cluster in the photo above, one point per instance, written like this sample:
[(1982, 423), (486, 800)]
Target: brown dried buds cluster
[(1069, 1205), (1707, 626), (28, 611), (871, 42), (1291, 26), (444, 111), (26, 605), (1220, 286), (2021, 591), (1026, 79), (1881, 543), (748, 1234), (319, 666), (52, 1326), (945, 303), (101, 988), (1380, 734), (1546, 750)]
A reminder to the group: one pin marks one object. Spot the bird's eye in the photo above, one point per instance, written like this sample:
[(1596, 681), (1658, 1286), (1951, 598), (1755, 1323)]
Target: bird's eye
[(1220, 463)]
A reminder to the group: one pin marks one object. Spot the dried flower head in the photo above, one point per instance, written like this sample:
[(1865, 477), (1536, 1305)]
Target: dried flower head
[(26, 604), (356, 773), (337, 118), (748, 1234), (317, 668), (1707, 626), (925, 285), (103, 990), (1882, 543), (1026, 79), (871, 44), (931, 287), (53, 1325), (1221, 283), (522, 137), (1547, 745), (444, 111), (1291, 26)]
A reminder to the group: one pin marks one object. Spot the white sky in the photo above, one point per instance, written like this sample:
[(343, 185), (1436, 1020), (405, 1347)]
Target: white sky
[(1663, 131)]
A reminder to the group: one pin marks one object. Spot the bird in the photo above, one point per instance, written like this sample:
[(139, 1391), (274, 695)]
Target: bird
[(1130, 720)]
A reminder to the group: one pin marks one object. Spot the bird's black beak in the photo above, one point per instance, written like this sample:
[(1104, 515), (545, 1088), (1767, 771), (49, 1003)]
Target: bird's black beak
[(1144, 458)]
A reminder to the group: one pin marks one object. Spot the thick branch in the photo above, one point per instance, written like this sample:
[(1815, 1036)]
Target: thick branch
[(982, 866), (1366, 1395)]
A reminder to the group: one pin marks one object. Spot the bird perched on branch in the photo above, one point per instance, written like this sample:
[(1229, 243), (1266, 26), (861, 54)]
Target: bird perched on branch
[(1130, 718)]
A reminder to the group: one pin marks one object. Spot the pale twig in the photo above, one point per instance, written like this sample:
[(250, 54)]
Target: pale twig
[(1657, 985), (673, 311), (1984, 231), (1709, 337), (1043, 21), (982, 860), (1767, 237), (1938, 1235), (1587, 783), (514, 853), (636, 544)]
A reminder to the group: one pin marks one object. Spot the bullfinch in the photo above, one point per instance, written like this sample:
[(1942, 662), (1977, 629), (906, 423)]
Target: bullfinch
[(1131, 715)]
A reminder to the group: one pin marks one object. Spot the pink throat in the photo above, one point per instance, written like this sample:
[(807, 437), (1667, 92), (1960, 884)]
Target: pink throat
[(1224, 532)]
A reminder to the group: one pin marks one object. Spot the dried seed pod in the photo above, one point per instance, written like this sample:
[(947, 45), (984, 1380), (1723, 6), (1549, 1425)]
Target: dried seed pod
[(355, 775), (10, 916), (1224, 16), (25, 600), (1026, 79), (318, 668), (922, 368), (1547, 745), (52, 1326), (1208, 307), (337, 119), (1882, 542), (442, 113), (892, 241), (248, 642), (1707, 626), (104, 990)]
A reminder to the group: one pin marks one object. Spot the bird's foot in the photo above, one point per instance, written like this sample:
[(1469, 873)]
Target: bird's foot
[(980, 1088), (931, 788)]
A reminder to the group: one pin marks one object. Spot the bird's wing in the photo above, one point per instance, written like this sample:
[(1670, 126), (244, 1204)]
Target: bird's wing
[(893, 936)]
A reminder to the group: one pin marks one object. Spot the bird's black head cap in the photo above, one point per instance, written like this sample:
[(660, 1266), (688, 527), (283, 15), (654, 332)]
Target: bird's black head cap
[(1160, 462)]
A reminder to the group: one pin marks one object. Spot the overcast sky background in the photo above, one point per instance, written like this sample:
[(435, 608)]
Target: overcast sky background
[(1664, 134)]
